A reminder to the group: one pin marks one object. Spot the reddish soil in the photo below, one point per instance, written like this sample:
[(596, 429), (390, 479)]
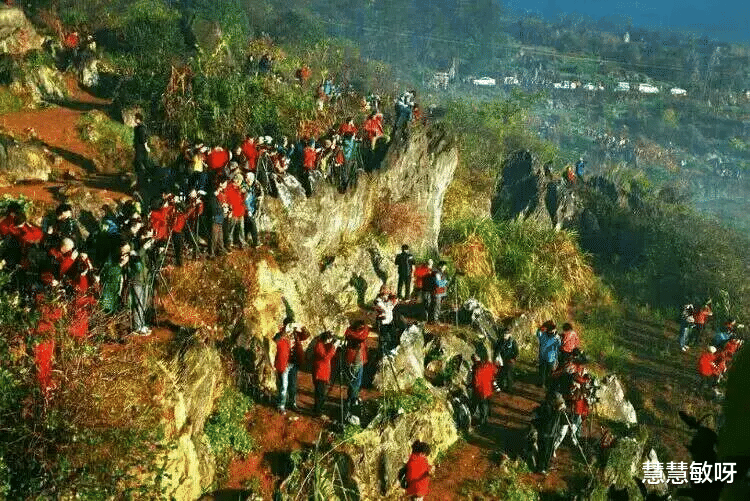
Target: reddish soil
[(56, 128)]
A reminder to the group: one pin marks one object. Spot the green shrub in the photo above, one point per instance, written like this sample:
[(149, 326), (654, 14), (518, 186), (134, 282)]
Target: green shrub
[(226, 429), (393, 403)]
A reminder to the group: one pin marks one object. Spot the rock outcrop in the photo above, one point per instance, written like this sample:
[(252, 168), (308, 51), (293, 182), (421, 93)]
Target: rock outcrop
[(40, 83), (527, 191), (612, 402), (22, 161), (193, 381), (400, 372), (17, 35), (379, 451)]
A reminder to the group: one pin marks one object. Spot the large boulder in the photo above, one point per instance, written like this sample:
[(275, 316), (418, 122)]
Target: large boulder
[(612, 402), (17, 35), (379, 451), (22, 162), (88, 74), (449, 359), (623, 464), (400, 372), (529, 191), (40, 83)]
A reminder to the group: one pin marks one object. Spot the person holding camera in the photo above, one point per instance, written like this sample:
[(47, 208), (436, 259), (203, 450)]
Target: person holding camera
[(290, 355), (323, 353), (483, 375), (356, 358)]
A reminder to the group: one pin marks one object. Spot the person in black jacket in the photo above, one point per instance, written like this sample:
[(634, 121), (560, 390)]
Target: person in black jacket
[(405, 264), (141, 164), (508, 350)]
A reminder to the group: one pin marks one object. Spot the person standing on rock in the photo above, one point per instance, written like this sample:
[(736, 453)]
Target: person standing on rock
[(323, 353), (384, 306), (405, 263), (356, 358), (439, 285), (417, 471), (141, 163), (290, 355), (508, 350), (549, 344)]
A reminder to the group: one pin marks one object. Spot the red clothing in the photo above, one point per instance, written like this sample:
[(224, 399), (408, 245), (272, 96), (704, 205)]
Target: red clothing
[(707, 365), (43, 353), (581, 407), (570, 341), (484, 374), (701, 316), (322, 356), (159, 222), (72, 40), (250, 150), (347, 129), (356, 345), (420, 273), (309, 156), (417, 475), (79, 324), (179, 221), (236, 200), (49, 315), (284, 350), (217, 159), (7, 226), (374, 126)]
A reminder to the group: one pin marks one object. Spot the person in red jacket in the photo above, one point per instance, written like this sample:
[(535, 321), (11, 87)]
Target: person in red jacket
[(217, 159), (8, 223), (418, 471), (356, 358), (235, 223), (347, 129), (250, 150), (571, 344), (483, 375), (290, 355), (700, 317), (323, 353), (159, 220), (708, 369), (373, 127), (421, 272)]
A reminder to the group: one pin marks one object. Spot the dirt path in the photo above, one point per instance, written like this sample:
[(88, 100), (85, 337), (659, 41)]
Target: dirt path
[(56, 127)]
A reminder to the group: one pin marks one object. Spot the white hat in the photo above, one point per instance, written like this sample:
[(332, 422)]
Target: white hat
[(250, 176), (269, 140), (712, 349)]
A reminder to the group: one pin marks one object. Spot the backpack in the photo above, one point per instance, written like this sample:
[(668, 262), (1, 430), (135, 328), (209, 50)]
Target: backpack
[(402, 477)]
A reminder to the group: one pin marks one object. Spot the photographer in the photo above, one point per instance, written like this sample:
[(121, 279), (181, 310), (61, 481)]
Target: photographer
[(323, 353)]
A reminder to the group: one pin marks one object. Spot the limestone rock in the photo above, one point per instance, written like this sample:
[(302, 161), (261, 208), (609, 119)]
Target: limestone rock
[(661, 487), (20, 161), (88, 74), (624, 462), (17, 35), (612, 402), (128, 115), (196, 378), (400, 372), (527, 191), (42, 83), (450, 359), (379, 451)]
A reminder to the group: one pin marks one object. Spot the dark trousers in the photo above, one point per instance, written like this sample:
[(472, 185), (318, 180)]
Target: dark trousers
[(695, 337), (252, 228), (216, 245), (545, 373), (321, 389), (404, 282), (506, 375), (483, 409), (385, 337), (179, 244), (435, 302)]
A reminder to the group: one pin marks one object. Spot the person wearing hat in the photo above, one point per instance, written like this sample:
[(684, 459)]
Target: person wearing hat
[(235, 223), (549, 344), (253, 193)]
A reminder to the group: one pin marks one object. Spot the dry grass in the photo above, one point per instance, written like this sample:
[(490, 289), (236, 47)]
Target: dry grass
[(471, 257), (210, 294), (398, 221)]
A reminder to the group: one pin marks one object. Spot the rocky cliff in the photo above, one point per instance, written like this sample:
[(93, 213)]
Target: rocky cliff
[(332, 260)]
